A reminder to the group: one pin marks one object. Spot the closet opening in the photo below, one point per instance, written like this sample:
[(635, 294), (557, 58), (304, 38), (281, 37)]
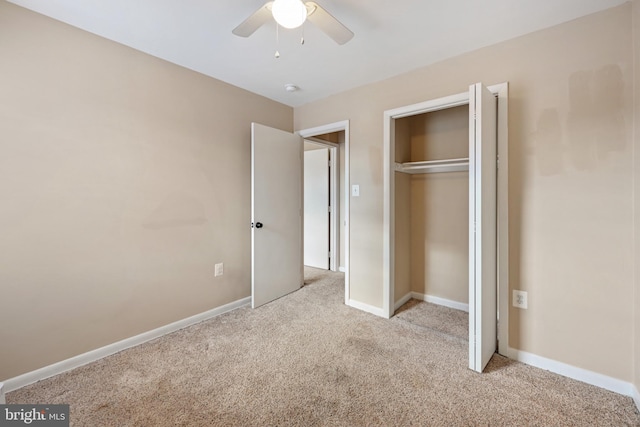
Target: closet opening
[(446, 227), (432, 208)]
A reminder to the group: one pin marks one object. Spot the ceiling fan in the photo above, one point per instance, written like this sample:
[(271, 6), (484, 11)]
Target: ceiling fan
[(292, 14)]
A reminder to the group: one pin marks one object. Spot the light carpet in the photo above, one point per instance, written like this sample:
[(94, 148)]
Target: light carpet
[(435, 317), (309, 360)]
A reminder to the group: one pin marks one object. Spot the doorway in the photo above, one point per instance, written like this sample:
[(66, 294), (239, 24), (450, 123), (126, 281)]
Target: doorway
[(323, 170), (335, 137), (317, 206)]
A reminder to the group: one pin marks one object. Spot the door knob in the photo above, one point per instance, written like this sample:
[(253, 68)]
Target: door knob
[(258, 225)]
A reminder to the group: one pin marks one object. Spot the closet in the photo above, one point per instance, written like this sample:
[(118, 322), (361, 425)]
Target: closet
[(441, 209)]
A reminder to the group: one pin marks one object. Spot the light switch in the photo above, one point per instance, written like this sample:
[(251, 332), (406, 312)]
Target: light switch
[(219, 271), (355, 190)]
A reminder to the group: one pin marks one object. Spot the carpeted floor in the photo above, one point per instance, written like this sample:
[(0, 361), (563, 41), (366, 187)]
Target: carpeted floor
[(436, 317), (309, 360)]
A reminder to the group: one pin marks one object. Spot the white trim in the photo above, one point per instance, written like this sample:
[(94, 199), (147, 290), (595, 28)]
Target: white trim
[(402, 301), (441, 301), (321, 130), (427, 106), (433, 300), (366, 307), (334, 214), (93, 355), (324, 129), (584, 375), (3, 400), (388, 211), (636, 396), (342, 269)]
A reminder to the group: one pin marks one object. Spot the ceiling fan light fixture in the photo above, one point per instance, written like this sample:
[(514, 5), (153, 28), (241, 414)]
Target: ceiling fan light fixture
[(289, 13)]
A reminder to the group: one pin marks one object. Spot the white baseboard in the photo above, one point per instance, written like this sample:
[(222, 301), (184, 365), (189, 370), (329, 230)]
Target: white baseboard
[(584, 375), (402, 301), (440, 301), (2, 398), (636, 397), (93, 355), (366, 307), (342, 269)]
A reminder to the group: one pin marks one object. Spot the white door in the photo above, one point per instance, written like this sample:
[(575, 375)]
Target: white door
[(276, 214), (482, 226), (316, 208)]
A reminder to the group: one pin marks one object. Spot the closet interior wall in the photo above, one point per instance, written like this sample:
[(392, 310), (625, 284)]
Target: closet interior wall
[(432, 209)]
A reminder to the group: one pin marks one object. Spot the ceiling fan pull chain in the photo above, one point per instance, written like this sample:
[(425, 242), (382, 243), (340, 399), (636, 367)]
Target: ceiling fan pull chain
[(302, 39), (277, 40)]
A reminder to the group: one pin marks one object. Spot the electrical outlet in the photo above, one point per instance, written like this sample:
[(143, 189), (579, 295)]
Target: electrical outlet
[(520, 299), (219, 269)]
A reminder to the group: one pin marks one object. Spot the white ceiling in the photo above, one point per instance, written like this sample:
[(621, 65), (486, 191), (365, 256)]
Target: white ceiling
[(391, 37)]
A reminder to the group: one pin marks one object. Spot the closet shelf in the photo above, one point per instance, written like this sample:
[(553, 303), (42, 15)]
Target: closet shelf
[(434, 166)]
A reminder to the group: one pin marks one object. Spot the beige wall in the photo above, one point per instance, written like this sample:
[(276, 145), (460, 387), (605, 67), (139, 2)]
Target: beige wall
[(570, 181), (123, 180), (402, 212), (440, 207), (636, 178), (440, 235)]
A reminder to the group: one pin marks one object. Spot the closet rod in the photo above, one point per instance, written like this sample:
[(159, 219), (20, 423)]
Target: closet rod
[(434, 166)]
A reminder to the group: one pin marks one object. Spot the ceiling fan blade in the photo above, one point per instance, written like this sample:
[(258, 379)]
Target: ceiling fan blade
[(255, 21), (327, 23)]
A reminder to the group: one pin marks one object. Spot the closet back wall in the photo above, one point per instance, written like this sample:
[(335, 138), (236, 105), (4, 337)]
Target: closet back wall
[(432, 210)]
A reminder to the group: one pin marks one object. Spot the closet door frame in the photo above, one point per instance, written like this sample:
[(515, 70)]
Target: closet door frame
[(501, 91)]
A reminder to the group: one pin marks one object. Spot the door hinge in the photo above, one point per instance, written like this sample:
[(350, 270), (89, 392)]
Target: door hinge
[(329, 209)]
